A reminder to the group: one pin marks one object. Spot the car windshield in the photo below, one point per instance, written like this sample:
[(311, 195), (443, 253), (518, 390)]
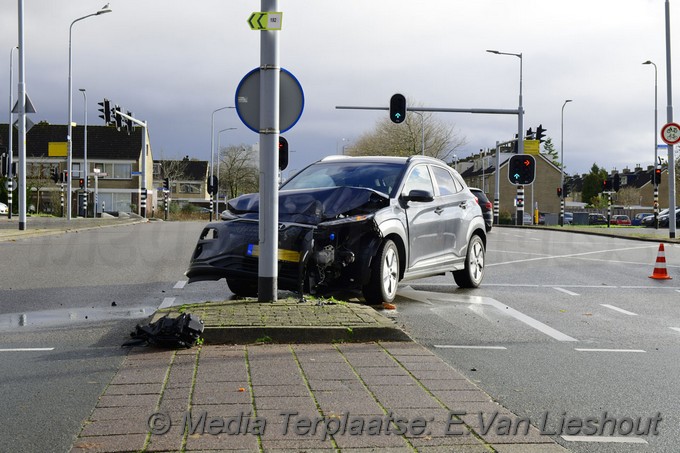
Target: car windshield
[(379, 176)]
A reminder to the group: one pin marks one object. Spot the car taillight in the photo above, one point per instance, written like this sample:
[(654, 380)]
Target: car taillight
[(476, 200), (488, 205)]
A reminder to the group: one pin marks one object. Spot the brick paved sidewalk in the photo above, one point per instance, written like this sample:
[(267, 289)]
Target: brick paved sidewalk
[(309, 397)]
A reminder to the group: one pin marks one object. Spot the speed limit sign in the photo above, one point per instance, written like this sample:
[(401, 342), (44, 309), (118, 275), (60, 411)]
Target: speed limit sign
[(670, 133)]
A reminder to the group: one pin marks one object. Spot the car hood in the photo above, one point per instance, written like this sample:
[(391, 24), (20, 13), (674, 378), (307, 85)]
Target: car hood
[(313, 206)]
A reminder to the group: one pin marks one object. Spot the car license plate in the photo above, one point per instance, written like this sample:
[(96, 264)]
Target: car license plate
[(284, 255)]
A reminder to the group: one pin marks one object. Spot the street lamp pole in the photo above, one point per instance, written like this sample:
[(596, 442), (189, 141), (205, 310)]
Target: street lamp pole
[(212, 155), (217, 204), (562, 164), (85, 171), (520, 131), (9, 138), (656, 145), (69, 141)]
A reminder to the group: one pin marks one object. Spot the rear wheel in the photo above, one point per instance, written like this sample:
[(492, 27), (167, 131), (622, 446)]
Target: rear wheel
[(473, 273), (242, 287), (384, 275)]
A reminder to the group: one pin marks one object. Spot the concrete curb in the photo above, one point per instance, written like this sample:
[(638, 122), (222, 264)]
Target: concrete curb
[(289, 321)]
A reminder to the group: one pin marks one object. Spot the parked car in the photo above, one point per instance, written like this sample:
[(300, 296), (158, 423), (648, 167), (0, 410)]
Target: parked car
[(649, 220), (3, 208), (568, 218), (528, 219), (620, 219), (664, 219), (637, 218), (359, 223), (597, 219), (486, 205)]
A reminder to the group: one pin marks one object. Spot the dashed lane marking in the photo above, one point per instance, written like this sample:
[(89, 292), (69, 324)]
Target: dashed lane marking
[(566, 291), (180, 284), (620, 310), (26, 349), (167, 303)]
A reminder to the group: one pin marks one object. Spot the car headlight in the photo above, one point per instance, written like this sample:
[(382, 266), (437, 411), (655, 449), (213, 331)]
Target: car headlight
[(348, 219)]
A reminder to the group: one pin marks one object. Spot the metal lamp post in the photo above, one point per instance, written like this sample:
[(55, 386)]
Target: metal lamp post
[(520, 132), (656, 146), (212, 155), (9, 138), (217, 203), (69, 143), (85, 171), (562, 164)]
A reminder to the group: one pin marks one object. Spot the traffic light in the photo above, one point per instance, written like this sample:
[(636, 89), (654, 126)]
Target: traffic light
[(530, 134), (657, 176), (118, 118), (283, 153), (81, 182), (605, 185), (166, 184), (540, 133), (521, 169), (128, 123), (64, 177), (55, 175), (565, 190), (213, 184), (559, 192), (617, 182), (106, 111), (3, 165), (397, 108)]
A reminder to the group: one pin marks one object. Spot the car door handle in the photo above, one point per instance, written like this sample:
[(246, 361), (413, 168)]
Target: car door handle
[(438, 210)]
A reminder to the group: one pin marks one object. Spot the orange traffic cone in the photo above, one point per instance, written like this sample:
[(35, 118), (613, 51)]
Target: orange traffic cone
[(660, 266)]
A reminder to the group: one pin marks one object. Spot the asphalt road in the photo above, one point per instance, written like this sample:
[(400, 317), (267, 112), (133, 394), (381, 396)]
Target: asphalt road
[(565, 326), (68, 302)]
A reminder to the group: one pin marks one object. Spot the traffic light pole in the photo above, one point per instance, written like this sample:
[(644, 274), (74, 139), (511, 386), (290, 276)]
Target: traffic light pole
[(142, 190), (669, 114)]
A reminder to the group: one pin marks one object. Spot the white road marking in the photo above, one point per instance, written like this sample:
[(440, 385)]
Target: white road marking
[(180, 284), (426, 296), (677, 329), (570, 255), (605, 439), (453, 346), (608, 350), (523, 285), (620, 310), (26, 349), (566, 291), (167, 303)]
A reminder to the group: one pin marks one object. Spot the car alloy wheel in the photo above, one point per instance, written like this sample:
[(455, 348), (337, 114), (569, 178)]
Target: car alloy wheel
[(473, 273), (384, 275)]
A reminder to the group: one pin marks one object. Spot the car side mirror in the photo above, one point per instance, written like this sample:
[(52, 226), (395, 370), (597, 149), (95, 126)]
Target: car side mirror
[(418, 195)]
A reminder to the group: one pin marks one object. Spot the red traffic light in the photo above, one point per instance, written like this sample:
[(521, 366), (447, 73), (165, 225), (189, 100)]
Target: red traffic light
[(81, 182)]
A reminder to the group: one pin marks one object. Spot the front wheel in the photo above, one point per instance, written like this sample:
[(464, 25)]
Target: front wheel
[(384, 275), (473, 273)]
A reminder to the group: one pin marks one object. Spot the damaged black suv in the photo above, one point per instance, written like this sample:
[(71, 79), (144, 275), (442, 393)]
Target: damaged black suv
[(353, 223)]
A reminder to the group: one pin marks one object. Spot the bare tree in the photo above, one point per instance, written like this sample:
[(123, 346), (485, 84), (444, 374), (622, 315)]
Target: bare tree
[(405, 139), (173, 169), (239, 172)]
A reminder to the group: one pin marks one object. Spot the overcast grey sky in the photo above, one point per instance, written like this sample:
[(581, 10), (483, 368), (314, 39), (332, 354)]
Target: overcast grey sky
[(174, 62)]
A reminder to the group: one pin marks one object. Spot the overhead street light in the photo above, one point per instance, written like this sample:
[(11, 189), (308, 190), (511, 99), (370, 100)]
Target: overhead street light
[(520, 125), (212, 154), (69, 139), (562, 165)]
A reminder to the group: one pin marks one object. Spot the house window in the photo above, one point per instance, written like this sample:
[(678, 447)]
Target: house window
[(189, 187), (115, 171)]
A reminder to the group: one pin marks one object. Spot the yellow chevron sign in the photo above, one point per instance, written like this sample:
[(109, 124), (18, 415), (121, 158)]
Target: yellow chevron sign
[(265, 21)]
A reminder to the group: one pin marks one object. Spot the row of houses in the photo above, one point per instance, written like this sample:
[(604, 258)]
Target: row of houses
[(479, 170), (116, 159)]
